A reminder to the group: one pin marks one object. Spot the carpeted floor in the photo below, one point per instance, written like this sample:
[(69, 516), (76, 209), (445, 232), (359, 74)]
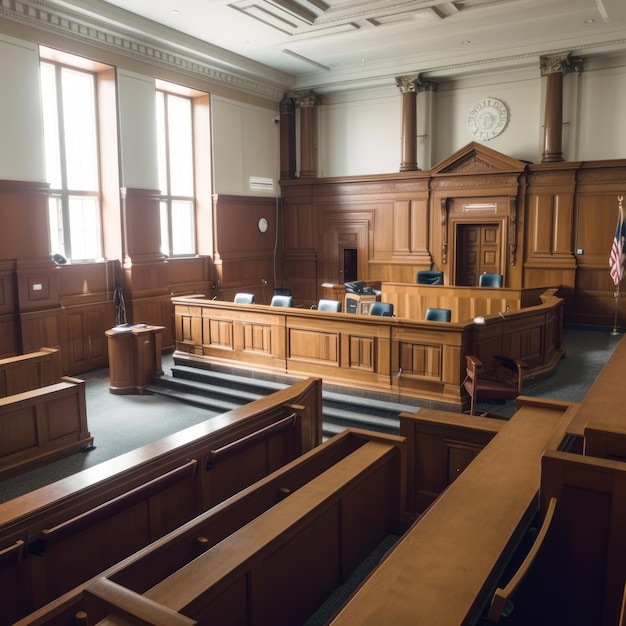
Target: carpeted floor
[(120, 423)]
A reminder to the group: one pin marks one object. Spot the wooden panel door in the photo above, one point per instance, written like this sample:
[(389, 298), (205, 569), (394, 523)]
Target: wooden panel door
[(478, 251)]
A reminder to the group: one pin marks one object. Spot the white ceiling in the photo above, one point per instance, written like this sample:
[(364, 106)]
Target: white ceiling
[(321, 43)]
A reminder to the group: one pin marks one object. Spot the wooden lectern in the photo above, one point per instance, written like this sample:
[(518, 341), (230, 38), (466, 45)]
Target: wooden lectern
[(134, 357), (355, 303)]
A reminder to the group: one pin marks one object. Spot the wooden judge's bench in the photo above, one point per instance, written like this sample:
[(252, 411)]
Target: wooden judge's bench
[(404, 354)]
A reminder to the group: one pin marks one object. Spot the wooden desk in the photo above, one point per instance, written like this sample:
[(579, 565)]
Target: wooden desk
[(134, 357)]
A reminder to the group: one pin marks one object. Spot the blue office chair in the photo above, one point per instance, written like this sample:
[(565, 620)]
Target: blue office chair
[(329, 305), (438, 315), (429, 277), (244, 298), (281, 301), (490, 280), (382, 308)]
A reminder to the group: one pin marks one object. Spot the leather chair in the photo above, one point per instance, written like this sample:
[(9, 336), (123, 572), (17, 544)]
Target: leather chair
[(244, 298), (438, 315), (382, 308), (490, 280), (285, 301), (329, 305), (429, 277), (505, 384)]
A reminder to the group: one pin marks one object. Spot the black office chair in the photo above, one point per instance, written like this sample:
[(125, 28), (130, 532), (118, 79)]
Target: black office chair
[(429, 277), (329, 305), (503, 385), (285, 301), (244, 298), (282, 291), (438, 315), (382, 308), (490, 280)]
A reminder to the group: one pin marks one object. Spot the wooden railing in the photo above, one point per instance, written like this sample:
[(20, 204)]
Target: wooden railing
[(79, 526), (416, 358)]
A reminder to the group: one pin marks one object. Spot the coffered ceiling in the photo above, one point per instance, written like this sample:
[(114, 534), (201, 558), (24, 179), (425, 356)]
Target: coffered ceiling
[(326, 44)]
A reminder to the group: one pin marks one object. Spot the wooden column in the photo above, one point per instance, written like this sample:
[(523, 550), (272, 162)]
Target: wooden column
[(287, 137), (410, 86), (308, 133), (407, 86), (554, 67)]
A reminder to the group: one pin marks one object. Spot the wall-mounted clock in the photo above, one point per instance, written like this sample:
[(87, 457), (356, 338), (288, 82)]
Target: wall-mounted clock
[(487, 118), (262, 224)]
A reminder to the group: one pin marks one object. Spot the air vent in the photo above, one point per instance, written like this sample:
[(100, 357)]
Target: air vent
[(259, 182)]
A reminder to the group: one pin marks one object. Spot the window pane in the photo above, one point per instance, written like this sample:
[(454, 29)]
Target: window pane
[(51, 125), (180, 146), (79, 118), (161, 144), (182, 227), (84, 228), (165, 239), (56, 226)]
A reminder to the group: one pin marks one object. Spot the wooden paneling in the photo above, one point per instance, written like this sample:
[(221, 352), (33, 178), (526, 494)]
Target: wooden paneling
[(417, 358)]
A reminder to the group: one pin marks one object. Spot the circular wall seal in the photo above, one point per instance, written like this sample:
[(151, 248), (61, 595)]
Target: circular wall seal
[(487, 118)]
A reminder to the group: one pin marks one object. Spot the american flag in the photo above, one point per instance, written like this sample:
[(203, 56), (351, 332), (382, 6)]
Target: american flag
[(617, 249)]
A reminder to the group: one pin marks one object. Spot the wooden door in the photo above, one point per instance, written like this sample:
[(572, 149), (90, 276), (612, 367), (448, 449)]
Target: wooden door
[(478, 251)]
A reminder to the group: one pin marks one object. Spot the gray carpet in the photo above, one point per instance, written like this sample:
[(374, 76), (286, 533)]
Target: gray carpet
[(120, 423)]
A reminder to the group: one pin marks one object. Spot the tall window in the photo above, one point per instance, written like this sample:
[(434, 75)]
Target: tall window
[(176, 179), (71, 155)]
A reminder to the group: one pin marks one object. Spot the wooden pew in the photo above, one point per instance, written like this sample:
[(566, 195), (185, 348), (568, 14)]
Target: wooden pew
[(41, 425), (445, 569), (357, 472), (29, 371), (578, 575), (83, 524)]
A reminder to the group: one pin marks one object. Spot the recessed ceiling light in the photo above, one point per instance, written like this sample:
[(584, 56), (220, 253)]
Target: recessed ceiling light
[(465, 42), (175, 12), (589, 21)]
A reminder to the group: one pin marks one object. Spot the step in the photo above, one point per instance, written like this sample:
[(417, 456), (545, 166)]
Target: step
[(210, 389), (216, 405), (226, 379), (381, 423)]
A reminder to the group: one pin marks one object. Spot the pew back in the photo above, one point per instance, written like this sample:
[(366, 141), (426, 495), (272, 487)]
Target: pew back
[(364, 518), (29, 371), (81, 525)]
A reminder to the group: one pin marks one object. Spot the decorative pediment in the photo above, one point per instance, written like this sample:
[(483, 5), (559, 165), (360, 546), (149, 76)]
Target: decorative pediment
[(475, 158)]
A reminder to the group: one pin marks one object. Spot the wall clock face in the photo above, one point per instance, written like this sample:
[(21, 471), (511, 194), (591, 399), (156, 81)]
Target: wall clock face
[(262, 224), (487, 118)]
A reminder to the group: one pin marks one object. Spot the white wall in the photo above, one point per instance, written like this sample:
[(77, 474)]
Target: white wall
[(245, 143), (360, 132), (21, 123), (137, 121)]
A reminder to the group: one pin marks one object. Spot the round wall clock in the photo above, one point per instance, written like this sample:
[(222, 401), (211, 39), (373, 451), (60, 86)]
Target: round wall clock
[(262, 224), (487, 118)]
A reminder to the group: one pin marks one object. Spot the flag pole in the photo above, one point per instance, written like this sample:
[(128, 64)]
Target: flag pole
[(616, 296), (619, 262)]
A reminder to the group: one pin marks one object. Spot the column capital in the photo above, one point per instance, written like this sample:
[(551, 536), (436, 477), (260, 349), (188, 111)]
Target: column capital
[(287, 105), (559, 64), (308, 99), (413, 83)]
